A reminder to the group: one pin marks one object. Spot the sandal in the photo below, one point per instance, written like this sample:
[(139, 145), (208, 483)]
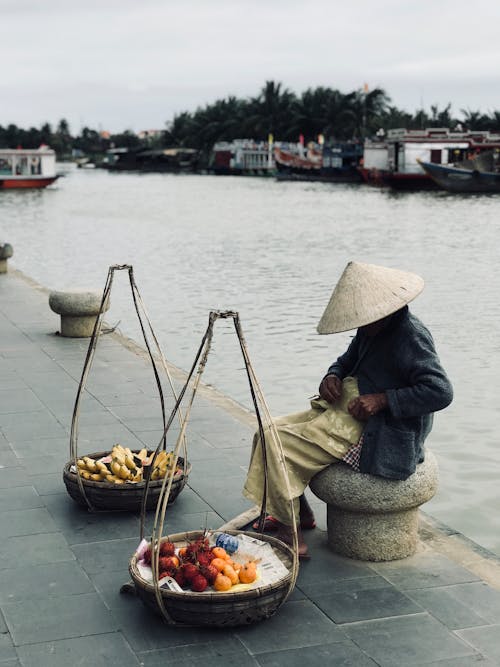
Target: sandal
[(271, 524)]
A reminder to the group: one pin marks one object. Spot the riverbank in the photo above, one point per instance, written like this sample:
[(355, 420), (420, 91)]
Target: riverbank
[(62, 567)]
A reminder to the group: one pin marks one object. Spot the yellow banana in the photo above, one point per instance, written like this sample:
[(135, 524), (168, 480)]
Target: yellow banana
[(113, 479), (129, 462), (102, 468), (142, 454), (115, 466), (123, 472), (90, 464), (138, 477), (119, 456), (85, 474), (96, 477)]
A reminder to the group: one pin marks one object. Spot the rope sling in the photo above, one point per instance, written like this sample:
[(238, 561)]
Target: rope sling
[(198, 366)]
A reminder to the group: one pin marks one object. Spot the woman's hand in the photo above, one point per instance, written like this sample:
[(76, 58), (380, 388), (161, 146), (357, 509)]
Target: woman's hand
[(330, 388), (363, 407)]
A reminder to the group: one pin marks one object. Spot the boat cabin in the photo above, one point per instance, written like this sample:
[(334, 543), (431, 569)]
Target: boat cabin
[(25, 168)]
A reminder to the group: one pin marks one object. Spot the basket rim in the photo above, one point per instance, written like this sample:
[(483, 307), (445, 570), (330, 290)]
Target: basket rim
[(216, 595), (153, 483)]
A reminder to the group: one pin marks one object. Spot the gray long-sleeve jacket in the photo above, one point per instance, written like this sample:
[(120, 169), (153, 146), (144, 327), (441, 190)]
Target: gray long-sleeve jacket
[(402, 362)]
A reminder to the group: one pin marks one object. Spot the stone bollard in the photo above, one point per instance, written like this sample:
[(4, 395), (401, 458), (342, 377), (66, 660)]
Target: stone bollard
[(6, 251), (78, 310), (372, 518)]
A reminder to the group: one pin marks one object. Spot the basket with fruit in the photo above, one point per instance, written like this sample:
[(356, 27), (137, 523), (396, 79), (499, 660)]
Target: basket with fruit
[(116, 480), (122, 479), (189, 579), (204, 578)]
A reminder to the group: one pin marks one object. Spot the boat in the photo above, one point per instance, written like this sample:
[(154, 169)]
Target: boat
[(480, 173), (337, 163), (169, 160), (394, 161), (242, 157), (25, 168)]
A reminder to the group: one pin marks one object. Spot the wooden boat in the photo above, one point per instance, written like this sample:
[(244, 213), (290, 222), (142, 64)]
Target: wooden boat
[(20, 168), (394, 161), (333, 164), (478, 174)]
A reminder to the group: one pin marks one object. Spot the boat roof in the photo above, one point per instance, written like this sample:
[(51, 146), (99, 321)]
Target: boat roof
[(26, 151)]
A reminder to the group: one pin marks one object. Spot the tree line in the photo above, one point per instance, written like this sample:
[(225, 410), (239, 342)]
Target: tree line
[(275, 110)]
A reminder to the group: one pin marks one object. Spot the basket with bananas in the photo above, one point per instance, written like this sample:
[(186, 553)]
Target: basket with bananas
[(117, 479)]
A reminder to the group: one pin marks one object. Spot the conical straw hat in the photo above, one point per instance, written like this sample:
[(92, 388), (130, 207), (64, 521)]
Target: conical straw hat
[(366, 293)]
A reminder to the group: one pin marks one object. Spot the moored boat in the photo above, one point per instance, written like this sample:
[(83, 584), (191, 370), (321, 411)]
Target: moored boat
[(478, 174), (394, 161), (24, 168), (335, 164)]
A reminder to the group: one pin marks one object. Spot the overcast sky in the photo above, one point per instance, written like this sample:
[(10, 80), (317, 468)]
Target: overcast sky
[(133, 64)]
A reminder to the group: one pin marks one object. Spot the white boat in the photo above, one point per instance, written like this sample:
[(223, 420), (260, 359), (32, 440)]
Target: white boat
[(24, 168)]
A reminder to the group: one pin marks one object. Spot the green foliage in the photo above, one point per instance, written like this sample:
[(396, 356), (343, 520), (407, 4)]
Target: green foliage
[(275, 110)]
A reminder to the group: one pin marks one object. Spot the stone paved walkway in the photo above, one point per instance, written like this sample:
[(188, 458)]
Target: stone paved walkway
[(61, 567)]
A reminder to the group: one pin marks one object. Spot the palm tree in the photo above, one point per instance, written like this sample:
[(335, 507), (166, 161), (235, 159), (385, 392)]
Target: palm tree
[(271, 111)]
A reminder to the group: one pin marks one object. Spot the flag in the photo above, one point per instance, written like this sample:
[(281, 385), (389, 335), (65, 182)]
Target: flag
[(365, 87), (301, 139), (321, 139), (270, 139)]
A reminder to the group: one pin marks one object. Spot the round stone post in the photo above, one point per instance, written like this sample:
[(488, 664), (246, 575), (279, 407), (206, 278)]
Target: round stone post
[(6, 251), (372, 518), (78, 310)]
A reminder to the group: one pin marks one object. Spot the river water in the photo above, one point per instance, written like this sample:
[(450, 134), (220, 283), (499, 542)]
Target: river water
[(273, 251)]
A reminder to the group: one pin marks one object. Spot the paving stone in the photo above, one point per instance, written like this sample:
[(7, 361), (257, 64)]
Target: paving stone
[(103, 650), (484, 639), (43, 465), (295, 625), (19, 498), (365, 604), (41, 581), (340, 654), (424, 571), (106, 556), (479, 598), (441, 603), (30, 425), (49, 484), (26, 522), (8, 655), (29, 550), (210, 654), (49, 619), (14, 477), (22, 400), (8, 459), (27, 449), (408, 640), (146, 631), (80, 526), (474, 660)]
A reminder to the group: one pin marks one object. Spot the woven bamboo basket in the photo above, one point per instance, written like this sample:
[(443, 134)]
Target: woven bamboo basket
[(217, 608), (129, 497)]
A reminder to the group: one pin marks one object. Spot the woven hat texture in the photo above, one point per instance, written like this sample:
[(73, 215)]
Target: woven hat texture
[(366, 293)]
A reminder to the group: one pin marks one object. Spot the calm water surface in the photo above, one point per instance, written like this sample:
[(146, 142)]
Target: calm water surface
[(273, 251)]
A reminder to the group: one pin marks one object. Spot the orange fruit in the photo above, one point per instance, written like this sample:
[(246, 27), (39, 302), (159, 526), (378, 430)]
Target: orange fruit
[(219, 552), (236, 566), (248, 572), (222, 583), (219, 563), (229, 572)]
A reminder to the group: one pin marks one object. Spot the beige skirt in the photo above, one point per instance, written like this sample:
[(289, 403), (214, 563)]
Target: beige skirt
[(311, 441)]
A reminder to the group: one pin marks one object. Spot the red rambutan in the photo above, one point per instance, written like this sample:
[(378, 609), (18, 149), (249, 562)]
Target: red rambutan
[(198, 583)]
